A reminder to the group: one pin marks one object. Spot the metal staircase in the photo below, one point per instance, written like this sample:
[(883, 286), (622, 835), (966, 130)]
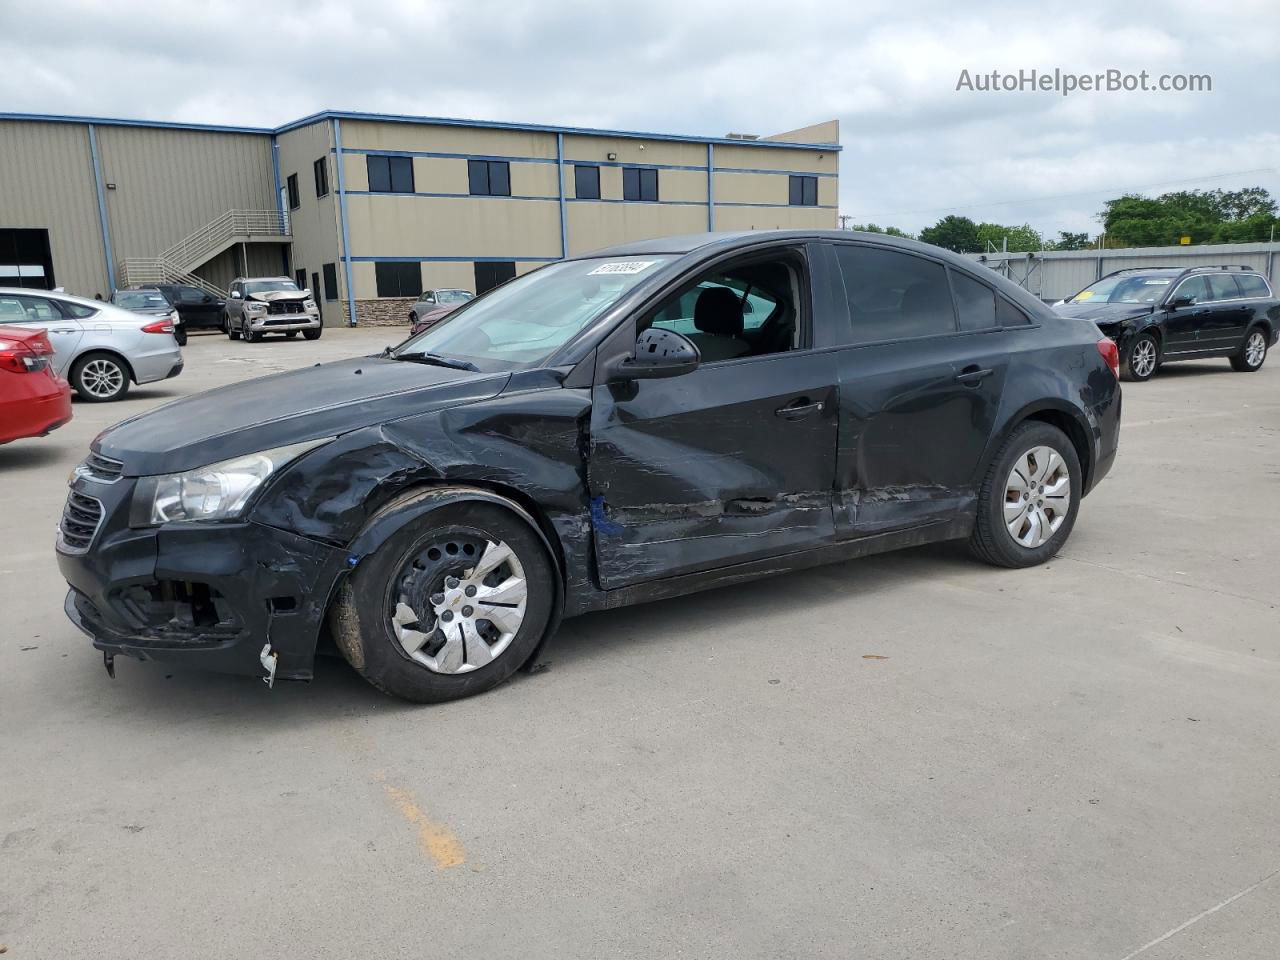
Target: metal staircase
[(178, 263)]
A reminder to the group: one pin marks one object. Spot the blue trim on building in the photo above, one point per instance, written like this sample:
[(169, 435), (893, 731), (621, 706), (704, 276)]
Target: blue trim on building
[(564, 223), (784, 206), (457, 259), (342, 216), (102, 208), (647, 203), (711, 188), (275, 171), (449, 156), (785, 173), (455, 196), (426, 121)]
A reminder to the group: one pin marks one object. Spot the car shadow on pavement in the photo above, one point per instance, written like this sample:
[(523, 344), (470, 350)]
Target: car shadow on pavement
[(24, 456)]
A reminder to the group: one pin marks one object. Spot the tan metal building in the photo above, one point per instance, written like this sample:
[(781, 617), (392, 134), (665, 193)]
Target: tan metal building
[(368, 210)]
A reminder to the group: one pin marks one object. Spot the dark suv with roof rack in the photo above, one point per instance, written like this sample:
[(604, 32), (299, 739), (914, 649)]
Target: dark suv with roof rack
[(1160, 314)]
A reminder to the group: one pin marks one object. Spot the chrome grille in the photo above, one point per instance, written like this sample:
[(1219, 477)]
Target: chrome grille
[(81, 518), (285, 306), (102, 469)]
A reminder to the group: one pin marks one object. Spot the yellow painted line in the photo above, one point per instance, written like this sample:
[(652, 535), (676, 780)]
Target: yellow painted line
[(437, 841)]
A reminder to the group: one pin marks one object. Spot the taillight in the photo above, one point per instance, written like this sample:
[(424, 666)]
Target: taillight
[(1111, 354), (17, 357), (160, 326)]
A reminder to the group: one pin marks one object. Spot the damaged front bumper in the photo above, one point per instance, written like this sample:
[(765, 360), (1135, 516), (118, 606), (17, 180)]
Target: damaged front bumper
[(214, 595)]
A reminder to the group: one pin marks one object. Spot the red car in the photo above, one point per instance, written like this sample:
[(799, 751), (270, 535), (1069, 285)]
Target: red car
[(33, 399)]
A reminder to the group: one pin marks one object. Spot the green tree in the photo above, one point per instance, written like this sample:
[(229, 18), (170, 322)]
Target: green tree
[(1070, 241), (1206, 216), (953, 233), (875, 228), (1019, 239)]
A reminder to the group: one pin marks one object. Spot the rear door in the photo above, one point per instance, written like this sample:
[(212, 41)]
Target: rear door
[(924, 352), (730, 463), (40, 313), (1229, 312)]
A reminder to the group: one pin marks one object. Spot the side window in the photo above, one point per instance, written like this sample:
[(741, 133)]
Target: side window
[(640, 183), (77, 310), (586, 182), (802, 191), (1252, 285), (236, 287), (291, 183), (38, 310), (1007, 315), (894, 295), (975, 302), (489, 178), (1197, 288), (320, 169), (743, 311), (1222, 286), (389, 174), (11, 311)]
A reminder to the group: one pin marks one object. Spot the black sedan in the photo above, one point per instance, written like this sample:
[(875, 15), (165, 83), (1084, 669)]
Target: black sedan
[(1161, 314), (639, 423)]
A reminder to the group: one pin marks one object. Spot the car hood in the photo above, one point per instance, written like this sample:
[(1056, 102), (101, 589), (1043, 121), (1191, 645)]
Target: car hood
[(274, 411), (1103, 312), (268, 295)]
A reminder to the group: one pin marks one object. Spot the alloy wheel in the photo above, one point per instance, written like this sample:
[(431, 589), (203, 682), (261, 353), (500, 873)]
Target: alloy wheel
[(1143, 360), (1037, 497), (1255, 348), (458, 603), (102, 378)]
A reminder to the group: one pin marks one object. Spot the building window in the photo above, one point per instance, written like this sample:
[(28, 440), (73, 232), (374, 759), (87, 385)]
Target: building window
[(390, 174), (804, 191), (491, 274), (398, 279), (25, 260), (322, 177), (586, 182), (294, 200), (640, 183), (489, 178), (330, 281)]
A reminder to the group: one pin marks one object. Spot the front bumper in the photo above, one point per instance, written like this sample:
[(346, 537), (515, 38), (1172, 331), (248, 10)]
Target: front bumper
[(206, 594), (276, 323)]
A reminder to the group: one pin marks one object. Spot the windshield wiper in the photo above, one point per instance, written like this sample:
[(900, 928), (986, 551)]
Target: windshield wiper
[(436, 360)]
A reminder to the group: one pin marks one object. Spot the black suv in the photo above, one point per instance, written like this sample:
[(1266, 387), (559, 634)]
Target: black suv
[(198, 308), (1160, 314), (633, 424)]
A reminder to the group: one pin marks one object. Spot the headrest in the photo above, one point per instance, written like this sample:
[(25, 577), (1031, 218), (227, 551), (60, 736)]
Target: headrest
[(718, 310)]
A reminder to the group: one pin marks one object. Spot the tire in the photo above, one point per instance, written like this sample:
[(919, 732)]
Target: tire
[(373, 619), (100, 377), (994, 542), (180, 334), (290, 334), (1253, 354), (253, 336), (413, 318), (1142, 359), (232, 332), (314, 334)]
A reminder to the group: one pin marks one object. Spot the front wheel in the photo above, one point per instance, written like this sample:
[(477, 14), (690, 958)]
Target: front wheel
[(1253, 353), (1028, 501), (450, 605), (229, 327), (1142, 358), (313, 334)]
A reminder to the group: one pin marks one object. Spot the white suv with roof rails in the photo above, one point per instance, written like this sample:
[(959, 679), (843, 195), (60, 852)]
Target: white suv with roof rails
[(262, 305)]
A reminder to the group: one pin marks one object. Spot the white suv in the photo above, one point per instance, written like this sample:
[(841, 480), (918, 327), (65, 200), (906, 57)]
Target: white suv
[(270, 305)]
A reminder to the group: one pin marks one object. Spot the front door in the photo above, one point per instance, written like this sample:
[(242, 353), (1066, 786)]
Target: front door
[(920, 387), (732, 462)]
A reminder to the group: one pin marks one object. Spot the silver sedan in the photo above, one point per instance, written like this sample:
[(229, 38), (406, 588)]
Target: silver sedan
[(100, 348)]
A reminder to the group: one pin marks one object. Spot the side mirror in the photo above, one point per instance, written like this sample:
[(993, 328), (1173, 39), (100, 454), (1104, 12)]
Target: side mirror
[(207, 298), (235, 294), (1177, 302), (659, 353)]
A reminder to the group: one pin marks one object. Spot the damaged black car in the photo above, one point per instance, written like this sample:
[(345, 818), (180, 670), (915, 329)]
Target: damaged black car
[(638, 423)]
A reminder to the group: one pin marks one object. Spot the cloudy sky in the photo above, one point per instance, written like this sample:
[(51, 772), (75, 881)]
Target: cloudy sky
[(915, 148)]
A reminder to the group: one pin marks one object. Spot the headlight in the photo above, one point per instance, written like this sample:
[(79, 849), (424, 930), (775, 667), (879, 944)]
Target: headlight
[(308, 305), (219, 491), (255, 308)]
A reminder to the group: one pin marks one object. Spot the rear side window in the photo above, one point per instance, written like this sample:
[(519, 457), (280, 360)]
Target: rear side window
[(77, 310), (1222, 286), (894, 295), (975, 302), (1007, 315), (1252, 285)]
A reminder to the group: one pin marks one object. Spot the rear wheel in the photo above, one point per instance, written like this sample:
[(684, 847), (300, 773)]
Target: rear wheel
[(1028, 501), (450, 605), (100, 377), (1253, 353), (1142, 358)]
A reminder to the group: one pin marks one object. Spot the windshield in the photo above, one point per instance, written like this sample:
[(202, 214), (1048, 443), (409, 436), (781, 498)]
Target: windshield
[(524, 321), (1127, 289), (269, 286), (453, 296), (139, 300)]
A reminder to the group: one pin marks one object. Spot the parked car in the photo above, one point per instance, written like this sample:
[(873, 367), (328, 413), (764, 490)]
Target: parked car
[(434, 304), (150, 302), (99, 347), (1161, 314), (270, 305), (199, 309), (608, 429), (33, 399)]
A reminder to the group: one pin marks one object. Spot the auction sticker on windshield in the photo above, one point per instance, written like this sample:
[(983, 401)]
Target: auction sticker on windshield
[(622, 267)]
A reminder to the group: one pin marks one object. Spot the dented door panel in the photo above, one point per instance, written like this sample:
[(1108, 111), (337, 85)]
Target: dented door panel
[(701, 470)]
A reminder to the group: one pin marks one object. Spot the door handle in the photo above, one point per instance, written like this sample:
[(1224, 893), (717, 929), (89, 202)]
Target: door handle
[(63, 330), (972, 376), (797, 409)]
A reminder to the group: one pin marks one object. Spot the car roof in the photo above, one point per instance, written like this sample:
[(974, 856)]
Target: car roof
[(260, 279)]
